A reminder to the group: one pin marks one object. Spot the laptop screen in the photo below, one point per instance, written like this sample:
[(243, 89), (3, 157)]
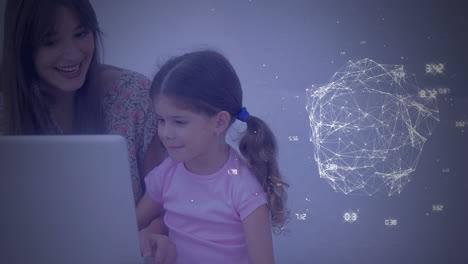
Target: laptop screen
[(66, 199)]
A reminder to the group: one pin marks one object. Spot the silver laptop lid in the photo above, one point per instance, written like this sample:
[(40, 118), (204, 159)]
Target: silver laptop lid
[(66, 199)]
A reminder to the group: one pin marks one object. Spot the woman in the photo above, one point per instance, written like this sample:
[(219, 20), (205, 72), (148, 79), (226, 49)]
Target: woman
[(52, 82)]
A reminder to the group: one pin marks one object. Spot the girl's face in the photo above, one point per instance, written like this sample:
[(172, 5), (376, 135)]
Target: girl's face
[(62, 60), (187, 135)]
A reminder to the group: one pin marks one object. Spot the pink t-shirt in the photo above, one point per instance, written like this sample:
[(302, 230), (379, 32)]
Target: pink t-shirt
[(204, 213)]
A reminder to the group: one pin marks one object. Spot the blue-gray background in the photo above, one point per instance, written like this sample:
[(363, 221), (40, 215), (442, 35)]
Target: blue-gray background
[(280, 48)]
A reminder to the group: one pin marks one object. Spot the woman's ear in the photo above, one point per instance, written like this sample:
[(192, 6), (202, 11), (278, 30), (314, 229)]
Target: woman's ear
[(222, 121)]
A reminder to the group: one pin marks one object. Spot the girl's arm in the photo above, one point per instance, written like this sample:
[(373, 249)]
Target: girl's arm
[(152, 243), (257, 230), (147, 210)]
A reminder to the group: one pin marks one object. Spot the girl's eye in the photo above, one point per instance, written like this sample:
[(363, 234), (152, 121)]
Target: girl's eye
[(181, 122)]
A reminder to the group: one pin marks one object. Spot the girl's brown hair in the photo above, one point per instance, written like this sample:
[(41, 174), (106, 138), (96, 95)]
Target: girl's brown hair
[(206, 82), (26, 109)]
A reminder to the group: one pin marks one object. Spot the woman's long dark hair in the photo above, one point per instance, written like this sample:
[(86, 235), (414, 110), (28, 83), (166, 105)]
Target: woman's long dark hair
[(206, 82), (26, 109)]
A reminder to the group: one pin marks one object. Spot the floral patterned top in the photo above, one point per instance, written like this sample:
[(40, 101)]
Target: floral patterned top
[(129, 112)]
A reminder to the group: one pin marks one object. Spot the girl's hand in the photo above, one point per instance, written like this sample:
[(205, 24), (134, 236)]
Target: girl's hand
[(158, 246)]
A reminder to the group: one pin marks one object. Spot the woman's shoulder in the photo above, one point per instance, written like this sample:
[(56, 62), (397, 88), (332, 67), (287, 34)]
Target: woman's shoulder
[(116, 80)]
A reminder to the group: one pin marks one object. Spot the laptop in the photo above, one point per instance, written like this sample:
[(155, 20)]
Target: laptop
[(67, 199)]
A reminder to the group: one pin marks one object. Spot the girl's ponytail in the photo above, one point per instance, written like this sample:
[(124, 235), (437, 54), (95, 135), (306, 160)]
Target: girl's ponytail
[(259, 148)]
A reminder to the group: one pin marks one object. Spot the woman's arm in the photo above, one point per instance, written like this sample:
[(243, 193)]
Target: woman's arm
[(257, 230), (147, 210)]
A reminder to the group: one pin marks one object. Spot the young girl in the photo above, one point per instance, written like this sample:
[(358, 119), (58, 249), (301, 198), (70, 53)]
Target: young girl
[(219, 206)]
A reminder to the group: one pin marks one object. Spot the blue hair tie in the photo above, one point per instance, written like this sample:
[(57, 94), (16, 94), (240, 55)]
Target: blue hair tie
[(243, 115)]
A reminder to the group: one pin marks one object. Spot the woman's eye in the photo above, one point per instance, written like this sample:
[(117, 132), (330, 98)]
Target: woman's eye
[(82, 34), (181, 122), (49, 43)]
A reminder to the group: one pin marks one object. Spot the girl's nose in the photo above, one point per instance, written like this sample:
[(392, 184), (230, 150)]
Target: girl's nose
[(166, 132)]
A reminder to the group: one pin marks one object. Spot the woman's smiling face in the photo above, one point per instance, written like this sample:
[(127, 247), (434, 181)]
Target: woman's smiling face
[(63, 58)]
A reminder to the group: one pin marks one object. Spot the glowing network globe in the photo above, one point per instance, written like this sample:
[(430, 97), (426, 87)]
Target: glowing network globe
[(368, 126)]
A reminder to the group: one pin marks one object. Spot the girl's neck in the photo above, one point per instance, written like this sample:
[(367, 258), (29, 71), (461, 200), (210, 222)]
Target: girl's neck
[(212, 161)]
